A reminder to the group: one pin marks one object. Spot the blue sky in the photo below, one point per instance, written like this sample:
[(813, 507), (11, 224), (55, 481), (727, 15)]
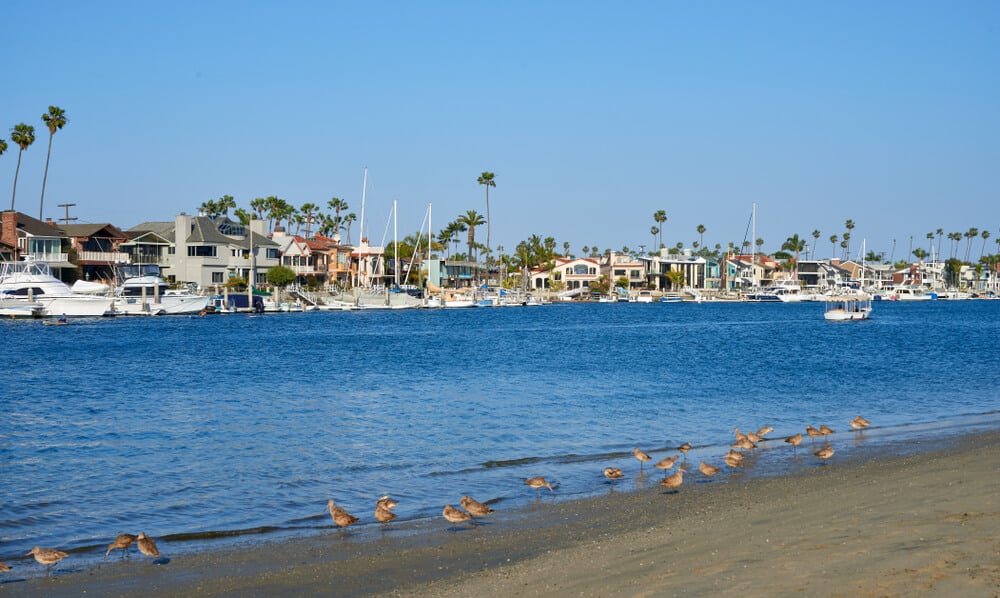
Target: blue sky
[(593, 115)]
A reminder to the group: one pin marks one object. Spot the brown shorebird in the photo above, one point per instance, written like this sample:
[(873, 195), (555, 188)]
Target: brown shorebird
[(456, 515), (753, 437), (860, 423), (146, 545), (684, 448), (824, 453), (733, 459), (794, 440), (825, 431), (613, 473), (4, 567), (123, 541), (474, 507), (666, 463), (813, 432), (386, 503), (642, 456), (739, 436), (744, 443), (340, 515), (538, 483), (674, 480), (707, 470), (382, 513), (47, 556), (764, 431)]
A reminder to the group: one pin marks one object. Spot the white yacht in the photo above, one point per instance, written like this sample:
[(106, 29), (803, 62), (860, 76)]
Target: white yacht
[(34, 281), (142, 291)]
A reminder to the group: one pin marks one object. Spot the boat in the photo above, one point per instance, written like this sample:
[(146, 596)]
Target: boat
[(34, 281), (845, 308), (13, 306), (644, 296), (143, 292), (907, 292)]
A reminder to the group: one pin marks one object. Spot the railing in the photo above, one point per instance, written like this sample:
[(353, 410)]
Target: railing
[(50, 257), (117, 257)]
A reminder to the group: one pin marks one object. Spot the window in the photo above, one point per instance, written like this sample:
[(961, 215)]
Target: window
[(272, 253), (218, 277), (201, 251), (619, 273)]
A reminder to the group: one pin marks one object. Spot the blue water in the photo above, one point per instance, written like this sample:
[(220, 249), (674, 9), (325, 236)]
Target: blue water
[(189, 429)]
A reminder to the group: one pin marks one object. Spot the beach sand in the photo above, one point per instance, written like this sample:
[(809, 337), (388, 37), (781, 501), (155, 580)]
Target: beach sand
[(885, 525)]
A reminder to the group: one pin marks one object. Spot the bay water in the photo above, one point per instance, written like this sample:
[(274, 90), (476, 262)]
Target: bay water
[(200, 431)]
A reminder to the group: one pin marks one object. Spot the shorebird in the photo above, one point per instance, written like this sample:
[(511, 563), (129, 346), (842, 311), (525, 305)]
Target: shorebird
[(739, 436), (684, 448), (386, 503), (538, 483), (860, 423), (813, 432), (825, 431), (753, 437), (613, 473), (340, 516), (794, 440), (456, 515), (4, 567), (744, 443), (666, 463), (674, 480), (383, 514), (474, 507), (733, 459), (707, 470), (765, 431), (824, 453), (146, 545), (47, 556), (642, 456), (123, 541)]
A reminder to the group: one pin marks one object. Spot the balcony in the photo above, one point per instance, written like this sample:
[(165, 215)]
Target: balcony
[(107, 257), (50, 258)]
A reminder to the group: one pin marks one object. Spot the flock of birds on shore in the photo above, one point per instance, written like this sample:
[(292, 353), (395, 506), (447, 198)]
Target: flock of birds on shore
[(472, 508)]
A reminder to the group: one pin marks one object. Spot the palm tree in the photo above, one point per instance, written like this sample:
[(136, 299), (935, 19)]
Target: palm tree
[(849, 225), (985, 235), (939, 233), (794, 243), (486, 179), (225, 203), (309, 211), (348, 221), (846, 244), (653, 231), (701, 234), (54, 119), (565, 248), (3, 146), (972, 234), (471, 219), (243, 215), (23, 135), (930, 243), (815, 236), (833, 246), (660, 216), (259, 205), (336, 204)]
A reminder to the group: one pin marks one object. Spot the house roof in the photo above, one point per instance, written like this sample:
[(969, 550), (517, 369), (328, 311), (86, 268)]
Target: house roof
[(161, 229), (92, 230), (36, 228)]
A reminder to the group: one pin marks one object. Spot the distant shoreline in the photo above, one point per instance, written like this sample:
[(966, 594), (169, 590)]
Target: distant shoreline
[(881, 524)]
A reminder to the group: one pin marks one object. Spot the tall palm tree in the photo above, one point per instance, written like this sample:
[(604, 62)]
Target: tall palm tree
[(565, 246), (337, 205), (225, 203), (259, 205), (350, 219), (930, 243), (653, 230), (486, 179), (3, 146), (701, 234), (23, 135), (309, 211), (846, 244), (985, 235), (471, 219), (833, 246), (972, 234), (794, 243), (939, 233), (55, 119), (815, 236), (660, 216), (849, 225)]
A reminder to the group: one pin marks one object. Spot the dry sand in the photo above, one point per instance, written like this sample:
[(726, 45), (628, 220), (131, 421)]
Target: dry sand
[(924, 524)]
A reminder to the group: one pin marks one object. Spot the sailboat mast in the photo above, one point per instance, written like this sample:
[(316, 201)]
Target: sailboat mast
[(753, 243), (395, 242), (362, 266)]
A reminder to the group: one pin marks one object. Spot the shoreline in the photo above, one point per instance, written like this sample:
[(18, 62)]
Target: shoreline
[(882, 523)]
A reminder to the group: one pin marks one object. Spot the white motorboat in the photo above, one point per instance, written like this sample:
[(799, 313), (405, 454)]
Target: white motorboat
[(143, 292), (845, 308), (13, 306), (34, 281), (907, 292)]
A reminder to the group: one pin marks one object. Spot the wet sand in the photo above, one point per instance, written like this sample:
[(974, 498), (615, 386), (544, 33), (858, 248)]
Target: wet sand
[(885, 525)]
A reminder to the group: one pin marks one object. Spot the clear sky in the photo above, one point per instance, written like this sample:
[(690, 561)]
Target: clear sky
[(592, 115)]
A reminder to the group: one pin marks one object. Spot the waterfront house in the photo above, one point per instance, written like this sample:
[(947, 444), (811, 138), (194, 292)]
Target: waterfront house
[(96, 248), (577, 274), (43, 242), (623, 266), (698, 272)]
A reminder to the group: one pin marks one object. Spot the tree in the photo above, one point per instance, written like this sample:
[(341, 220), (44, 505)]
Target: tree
[(815, 236), (676, 278), (972, 234), (846, 245), (23, 135), (985, 235), (833, 246), (225, 203), (243, 216), (660, 216), (486, 179), (920, 253), (565, 248), (350, 219), (280, 276), (55, 119), (471, 219), (939, 232), (259, 205), (701, 234), (795, 245), (849, 225), (653, 231), (309, 211), (337, 205)]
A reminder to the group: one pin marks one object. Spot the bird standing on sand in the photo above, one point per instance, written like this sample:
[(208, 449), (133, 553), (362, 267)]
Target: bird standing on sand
[(733, 459), (456, 515), (47, 556), (146, 545), (642, 456), (825, 430), (794, 440), (383, 514), (340, 515), (666, 463), (538, 483), (613, 473), (674, 480), (4, 567), (813, 432), (684, 448), (764, 431), (386, 503), (860, 423), (707, 470), (474, 507), (824, 453), (123, 541)]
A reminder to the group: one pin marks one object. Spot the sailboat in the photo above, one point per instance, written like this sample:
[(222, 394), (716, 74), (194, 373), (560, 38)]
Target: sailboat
[(849, 307)]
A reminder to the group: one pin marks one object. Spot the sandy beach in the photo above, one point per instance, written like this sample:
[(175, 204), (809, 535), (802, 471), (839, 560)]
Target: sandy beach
[(884, 525)]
